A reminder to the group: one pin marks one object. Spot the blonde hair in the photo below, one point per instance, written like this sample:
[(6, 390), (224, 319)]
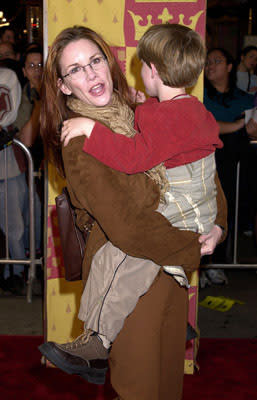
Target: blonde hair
[(177, 52)]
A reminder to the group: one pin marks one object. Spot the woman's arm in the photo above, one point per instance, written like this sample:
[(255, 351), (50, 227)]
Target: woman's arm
[(29, 132), (251, 129), (230, 127), (219, 231), (253, 89)]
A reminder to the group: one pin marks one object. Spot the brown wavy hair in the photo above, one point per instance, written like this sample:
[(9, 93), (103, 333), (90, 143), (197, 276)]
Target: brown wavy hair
[(54, 109)]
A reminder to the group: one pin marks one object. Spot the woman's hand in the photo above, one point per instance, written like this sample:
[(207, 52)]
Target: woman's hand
[(251, 129), (76, 127), (210, 241), (137, 96)]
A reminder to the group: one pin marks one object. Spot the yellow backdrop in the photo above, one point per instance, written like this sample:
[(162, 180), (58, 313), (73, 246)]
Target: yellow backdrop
[(121, 23)]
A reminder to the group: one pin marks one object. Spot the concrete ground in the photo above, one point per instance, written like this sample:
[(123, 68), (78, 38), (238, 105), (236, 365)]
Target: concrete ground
[(17, 317), (241, 320)]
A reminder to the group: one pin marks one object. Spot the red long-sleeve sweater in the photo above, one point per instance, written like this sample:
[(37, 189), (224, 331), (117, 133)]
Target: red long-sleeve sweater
[(175, 132)]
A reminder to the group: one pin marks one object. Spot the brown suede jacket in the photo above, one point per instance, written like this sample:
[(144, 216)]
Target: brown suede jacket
[(124, 208)]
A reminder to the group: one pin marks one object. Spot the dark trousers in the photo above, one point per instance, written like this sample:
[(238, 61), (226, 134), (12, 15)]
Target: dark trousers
[(147, 357)]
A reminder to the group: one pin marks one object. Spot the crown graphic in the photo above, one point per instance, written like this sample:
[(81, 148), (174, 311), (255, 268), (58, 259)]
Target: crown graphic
[(164, 17)]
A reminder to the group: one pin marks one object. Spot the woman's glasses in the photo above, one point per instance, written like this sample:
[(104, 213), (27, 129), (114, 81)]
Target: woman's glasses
[(78, 71), (34, 66), (216, 61)]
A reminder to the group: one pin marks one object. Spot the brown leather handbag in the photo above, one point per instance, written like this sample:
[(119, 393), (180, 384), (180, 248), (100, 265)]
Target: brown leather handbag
[(73, 240)]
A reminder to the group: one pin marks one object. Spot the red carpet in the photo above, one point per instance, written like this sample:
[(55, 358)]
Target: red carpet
[(228, 370)]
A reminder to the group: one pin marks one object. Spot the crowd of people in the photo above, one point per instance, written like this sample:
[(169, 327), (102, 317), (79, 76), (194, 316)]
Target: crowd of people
[(225, 99), (165, 168), (20, 81)]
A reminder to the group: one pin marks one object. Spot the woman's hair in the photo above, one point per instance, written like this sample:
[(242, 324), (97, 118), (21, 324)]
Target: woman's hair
[(54, 109), (211, 90), (32, 50), (247, 50), (177, 52)]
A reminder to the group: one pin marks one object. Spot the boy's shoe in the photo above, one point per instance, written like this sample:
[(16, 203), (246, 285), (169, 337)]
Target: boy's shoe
[(85, 356)]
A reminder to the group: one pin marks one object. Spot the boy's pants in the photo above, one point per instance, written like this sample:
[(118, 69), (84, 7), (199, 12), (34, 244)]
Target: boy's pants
[(115, 283), (147, 356)]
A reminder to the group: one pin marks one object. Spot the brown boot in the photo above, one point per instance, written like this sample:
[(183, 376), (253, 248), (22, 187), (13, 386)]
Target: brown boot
[(85, 356)]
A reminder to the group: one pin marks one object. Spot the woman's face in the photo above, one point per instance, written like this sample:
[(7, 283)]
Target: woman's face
[(8, 36), (33, 68), (216, 68), (250, 60), (91, 86)]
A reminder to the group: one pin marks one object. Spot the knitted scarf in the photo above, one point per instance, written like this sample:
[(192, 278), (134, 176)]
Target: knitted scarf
[(119, 117)]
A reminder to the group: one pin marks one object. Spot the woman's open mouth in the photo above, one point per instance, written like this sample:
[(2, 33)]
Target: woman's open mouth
[(97, 90)]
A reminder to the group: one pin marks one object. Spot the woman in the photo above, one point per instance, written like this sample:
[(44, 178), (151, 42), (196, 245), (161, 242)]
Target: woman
[(228, 103), (246, 70), (147, 357)]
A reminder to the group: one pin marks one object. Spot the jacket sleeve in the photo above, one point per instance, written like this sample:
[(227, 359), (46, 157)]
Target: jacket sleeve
[(149, 147), (124, 207), (155, 142), (166, 132)]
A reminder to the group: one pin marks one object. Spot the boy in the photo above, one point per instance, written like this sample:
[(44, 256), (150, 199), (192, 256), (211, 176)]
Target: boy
[(193, 159)]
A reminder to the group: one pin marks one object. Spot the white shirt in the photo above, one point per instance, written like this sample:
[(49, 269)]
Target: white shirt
[(10, 97), (243, 80)]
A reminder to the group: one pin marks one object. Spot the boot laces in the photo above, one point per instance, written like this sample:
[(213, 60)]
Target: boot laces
[(80, 340)]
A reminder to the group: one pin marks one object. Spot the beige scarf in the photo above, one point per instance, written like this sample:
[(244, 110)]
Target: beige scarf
[(120, 119)]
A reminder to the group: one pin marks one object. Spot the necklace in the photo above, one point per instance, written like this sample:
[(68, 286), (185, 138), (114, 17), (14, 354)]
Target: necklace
[(179, 95)]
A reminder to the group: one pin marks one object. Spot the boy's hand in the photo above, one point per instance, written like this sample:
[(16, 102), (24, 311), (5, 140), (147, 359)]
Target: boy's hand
[(76, 127), (210, 241), (137, 96)]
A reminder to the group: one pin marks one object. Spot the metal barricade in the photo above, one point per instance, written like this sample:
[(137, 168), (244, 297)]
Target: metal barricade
[(235, 263), (32, 261)]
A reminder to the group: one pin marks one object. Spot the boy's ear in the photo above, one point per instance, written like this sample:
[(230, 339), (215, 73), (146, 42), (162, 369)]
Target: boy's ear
[(154, 70), (64, 89)]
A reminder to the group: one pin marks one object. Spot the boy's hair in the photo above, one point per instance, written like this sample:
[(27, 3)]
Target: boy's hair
[(177, 52)]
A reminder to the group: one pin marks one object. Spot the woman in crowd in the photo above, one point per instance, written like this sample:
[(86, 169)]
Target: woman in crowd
[(246, 70), (228, 103), (147, 357)]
